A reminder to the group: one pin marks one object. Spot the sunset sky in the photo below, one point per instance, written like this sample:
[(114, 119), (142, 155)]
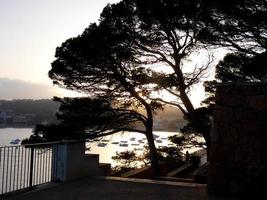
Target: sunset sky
[(30, 32)]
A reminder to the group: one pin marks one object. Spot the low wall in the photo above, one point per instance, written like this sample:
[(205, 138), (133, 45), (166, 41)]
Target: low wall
[(238, 154), (70, 162)]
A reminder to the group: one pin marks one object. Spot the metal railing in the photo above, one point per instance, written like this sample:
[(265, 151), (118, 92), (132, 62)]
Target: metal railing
[(23, 167)]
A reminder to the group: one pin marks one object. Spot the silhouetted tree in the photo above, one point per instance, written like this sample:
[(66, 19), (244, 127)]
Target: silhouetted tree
[(158, 35), (116, 60), (239, 24), (236, 67), (82, 118), (99, 64), (87, 116)]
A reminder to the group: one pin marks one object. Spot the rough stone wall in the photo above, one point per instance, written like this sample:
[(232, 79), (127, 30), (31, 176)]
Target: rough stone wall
[(238, 154)]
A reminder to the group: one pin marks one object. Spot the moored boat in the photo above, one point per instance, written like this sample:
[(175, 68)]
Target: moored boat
[(101, 144), (15, 141)]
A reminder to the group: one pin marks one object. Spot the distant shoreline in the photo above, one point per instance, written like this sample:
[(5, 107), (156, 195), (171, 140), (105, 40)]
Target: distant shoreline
[(17, 126), (27, 126)]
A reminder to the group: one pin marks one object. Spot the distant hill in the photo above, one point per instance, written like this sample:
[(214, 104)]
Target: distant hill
[(27, 112), (169, 119)]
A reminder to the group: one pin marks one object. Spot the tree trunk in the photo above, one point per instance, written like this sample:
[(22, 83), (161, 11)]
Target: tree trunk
[(154, 159), (195, 121), (152, 152), (204, 131)]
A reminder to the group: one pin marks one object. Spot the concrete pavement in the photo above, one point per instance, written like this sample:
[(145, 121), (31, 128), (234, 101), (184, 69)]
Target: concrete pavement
[(117, 189)]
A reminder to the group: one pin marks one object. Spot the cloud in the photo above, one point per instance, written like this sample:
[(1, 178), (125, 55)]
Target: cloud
[(19, 89)]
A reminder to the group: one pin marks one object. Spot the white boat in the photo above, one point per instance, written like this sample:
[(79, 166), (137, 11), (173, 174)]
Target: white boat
[(15, 141)]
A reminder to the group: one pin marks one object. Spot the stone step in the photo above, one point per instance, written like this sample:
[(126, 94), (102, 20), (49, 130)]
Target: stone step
[(175, 179), (180, 170)]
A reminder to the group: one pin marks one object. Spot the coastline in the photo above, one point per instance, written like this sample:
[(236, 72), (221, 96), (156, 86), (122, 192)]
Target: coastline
[(32, 126), (17, 126)]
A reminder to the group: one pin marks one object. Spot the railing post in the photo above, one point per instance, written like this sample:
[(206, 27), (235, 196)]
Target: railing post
[(31, 167)]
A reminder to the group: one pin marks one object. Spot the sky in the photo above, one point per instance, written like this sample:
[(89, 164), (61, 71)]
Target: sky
[(30, 31)]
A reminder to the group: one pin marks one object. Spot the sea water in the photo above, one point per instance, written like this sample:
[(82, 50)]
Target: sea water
[(132, 140)]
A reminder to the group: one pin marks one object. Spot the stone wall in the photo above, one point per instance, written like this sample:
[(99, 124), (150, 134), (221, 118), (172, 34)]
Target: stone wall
[(238, 154)]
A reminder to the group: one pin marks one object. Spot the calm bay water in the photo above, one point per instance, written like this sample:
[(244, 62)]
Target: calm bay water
[(8, 134), (135, 141)]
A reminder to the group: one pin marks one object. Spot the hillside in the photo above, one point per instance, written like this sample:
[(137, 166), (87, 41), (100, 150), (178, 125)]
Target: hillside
[(28, 112)]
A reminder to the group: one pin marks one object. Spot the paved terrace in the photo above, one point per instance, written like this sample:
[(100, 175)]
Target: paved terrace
[(117, 188)]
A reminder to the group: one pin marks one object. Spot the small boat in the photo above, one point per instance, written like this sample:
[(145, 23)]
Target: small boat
[(158, 141), (101, 144), (155, 136), (15, 141), (124, 141), (104, 140), (141, 141), (123, 145), (164, 138), (114, 142), (135, 144), (132, 139)]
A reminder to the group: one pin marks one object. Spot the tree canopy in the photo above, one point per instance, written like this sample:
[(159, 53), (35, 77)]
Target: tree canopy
[(142, 48), (239, 24), (98, 63)]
